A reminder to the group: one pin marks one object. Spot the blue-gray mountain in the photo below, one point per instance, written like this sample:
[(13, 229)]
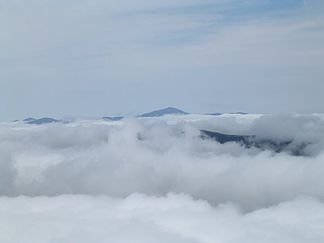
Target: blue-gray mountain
[(249, 141), (113, 118), (165, 111), (44, 120)]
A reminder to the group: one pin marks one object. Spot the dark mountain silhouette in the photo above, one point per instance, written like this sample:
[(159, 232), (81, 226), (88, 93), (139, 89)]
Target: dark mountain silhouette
[(239, 113), (214, 114), (29, 119), (113, 118), (44, 120), (250, 141), (165, 111)]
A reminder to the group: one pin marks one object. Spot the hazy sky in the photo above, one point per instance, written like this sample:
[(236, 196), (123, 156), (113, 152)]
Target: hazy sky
[(102, 57)]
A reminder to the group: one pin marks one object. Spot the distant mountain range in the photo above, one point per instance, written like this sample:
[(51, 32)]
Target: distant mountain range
[(234, 113), (40, 121), (165, 111), (214, 114), (156, 113), (113, 118), (247, 141), (239, 113)]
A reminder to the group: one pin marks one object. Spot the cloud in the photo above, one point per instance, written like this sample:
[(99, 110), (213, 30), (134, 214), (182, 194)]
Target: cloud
[(157, 156), (156, 180), (140, 218)]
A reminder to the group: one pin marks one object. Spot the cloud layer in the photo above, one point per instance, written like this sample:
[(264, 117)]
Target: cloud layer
[(175, 218), (156, 180), (157, 156)]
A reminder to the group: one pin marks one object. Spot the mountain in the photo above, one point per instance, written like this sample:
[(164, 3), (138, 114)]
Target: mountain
[(239, 113), (113, 118), (165, 111), (249, 141), (29, 119), (214, 114), (44, 120), (233, 113)]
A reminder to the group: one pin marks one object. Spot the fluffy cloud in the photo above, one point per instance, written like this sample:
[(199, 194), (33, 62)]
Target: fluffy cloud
[(175, 218), (156, 180), (157, 156)]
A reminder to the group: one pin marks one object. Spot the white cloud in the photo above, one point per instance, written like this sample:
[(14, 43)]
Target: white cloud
[(157, 156), (156, 180), (139, 218)]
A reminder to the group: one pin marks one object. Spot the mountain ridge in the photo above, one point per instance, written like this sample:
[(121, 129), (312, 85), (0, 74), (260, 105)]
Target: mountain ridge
[(164, 111)]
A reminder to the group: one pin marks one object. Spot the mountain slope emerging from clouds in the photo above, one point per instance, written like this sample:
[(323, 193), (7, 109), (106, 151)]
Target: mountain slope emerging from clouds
[(252, 141), (165, 111), (40, 121)]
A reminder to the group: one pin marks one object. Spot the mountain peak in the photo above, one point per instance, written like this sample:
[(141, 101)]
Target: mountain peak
[(44, 120), (165, 111), (113, 118)]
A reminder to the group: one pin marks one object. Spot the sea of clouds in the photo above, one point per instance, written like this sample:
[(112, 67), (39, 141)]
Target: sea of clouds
[(157, 180)]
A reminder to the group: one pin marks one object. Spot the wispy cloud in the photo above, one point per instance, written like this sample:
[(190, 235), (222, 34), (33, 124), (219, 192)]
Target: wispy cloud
[(227, 46)]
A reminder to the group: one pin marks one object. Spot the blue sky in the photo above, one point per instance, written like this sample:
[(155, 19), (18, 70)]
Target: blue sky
[(94, 58)]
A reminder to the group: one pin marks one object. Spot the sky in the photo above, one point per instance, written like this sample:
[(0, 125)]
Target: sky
[(93, 58)]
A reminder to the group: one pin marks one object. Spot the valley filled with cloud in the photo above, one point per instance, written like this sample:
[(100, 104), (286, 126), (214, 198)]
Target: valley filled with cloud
[(243, 163), (159, 180)]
